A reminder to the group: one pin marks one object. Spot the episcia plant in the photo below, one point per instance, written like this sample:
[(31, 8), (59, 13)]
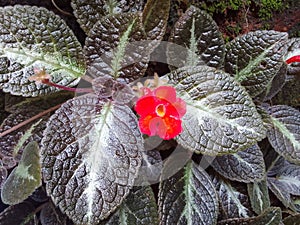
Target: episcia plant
[(84, 130)]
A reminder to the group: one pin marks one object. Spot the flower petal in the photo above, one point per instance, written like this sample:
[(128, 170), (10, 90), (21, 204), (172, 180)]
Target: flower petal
[(146, 105), (166, 92), (180, 106)]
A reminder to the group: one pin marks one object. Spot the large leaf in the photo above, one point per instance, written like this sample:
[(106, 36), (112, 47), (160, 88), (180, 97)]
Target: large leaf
[(33, 37), (117, 47), (138, 208), (221, 116), (244, 166), (155, 17), (285, 184), (188, 197), (284, 135), (25, 178), (199, 33), (90, 157), (22, 213), (259, 196), (255, 58), (271, 216), (89, 12)]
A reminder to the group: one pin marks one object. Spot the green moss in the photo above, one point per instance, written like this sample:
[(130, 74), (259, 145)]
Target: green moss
[(268, 7)]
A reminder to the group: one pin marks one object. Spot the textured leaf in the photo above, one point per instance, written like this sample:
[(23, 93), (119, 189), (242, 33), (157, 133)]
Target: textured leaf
[(271, 216), (17, 214), (255, 58), (292, 220), (117, 47), (155, 17), (233, 202), (221, 116), (139, 208), (3, 174), (88, 12), (199, 33), (284, 135), (285, 184), (25, 178), (244, 166), (33, 37), (259, 196), (293, 49), (188, 197), (90, 157)]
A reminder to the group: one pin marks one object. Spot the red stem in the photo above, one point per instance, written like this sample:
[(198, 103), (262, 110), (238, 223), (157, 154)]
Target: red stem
[(78, 90)]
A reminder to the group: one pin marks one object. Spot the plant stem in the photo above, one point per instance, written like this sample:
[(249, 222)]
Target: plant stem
[(78, 90)]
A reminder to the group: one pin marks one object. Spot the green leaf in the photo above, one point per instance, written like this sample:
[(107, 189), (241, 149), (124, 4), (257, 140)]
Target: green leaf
[(284, 134), (259, 196), (25, 178), (271, 216), (21, 214), (244, 166), (221, 117), (33, 37), (199, 33), (189, 197), (286, 184), (89, 12), (155, 18), (90, 157), (255, 58), (117, 47), (138, 208)]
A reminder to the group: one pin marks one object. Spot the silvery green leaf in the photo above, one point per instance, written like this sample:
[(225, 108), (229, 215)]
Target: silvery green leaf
[(284, 134), (271, 216), (25, 178), (259, 196), (18, 214), (221, 117), (35, 38), (199, 34), (117, 47), (244, 166), (89, 12), (255, 58), (139, 208), (189, 197), (91, 154)]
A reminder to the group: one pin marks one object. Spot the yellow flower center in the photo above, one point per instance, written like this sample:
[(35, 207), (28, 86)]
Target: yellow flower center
[(160, 110)]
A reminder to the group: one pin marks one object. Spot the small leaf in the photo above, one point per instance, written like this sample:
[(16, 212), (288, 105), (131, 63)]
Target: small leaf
[(199, 33), (117, 47), (255, 58), (3, 175), (285, 184), (90, 157), (284, 135), (259, 196), (33, 37), (17, 214), (89, 12), (244, 166), (271, 216), (221, 117), (155, 17), (25, 178), (138, 208), (189, 197)]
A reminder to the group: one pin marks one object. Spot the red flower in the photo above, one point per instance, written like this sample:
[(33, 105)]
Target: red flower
[(160, 112), (292, 59)]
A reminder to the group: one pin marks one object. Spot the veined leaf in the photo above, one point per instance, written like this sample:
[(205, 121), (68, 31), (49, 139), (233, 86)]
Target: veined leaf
[(221, 117), (89, 12), (117, 47), (189, 197), (22, 213), (33, 37), (199, 33), (284, 135), (139, 208), (271, 216), (244, 166), (90, 157), (259, 196), (25, 178), (155, 17), (293, 49), (255, 58)]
